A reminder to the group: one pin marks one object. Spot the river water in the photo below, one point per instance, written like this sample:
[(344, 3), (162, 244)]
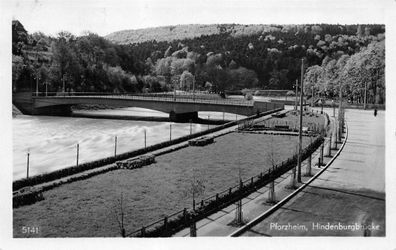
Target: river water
[(52, 141)]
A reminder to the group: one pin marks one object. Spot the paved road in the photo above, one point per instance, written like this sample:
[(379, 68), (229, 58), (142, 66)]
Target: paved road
[(350, 192)]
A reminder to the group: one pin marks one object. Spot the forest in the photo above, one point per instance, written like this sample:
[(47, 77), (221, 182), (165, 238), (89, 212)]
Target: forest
[(220, 58)]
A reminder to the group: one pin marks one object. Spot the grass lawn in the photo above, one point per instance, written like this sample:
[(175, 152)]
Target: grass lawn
[(292, 120), (85, 208)]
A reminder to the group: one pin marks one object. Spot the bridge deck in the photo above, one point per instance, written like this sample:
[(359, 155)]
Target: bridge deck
[(177, 99)]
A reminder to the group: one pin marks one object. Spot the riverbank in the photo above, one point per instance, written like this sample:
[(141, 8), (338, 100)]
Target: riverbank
[(15, 111), (143, 118)]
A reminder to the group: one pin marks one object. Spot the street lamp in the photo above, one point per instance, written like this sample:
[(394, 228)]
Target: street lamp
[(299, 159), (339, 112), (63, 82), (312, 96), (295, 104), (46, 87), (321, 105), (194, 88), (37, 82)]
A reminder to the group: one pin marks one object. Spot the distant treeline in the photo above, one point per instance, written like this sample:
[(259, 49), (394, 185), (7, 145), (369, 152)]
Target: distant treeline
[(222, 57)]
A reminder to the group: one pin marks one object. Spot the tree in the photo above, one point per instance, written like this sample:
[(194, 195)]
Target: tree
[(186, 80), (313, 77), (272, 157), (364, 72), (17, 67), (196, 188), (118, 212)]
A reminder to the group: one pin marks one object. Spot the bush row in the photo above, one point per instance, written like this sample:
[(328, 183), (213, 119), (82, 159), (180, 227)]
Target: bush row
[(26, 198), (79, 177)]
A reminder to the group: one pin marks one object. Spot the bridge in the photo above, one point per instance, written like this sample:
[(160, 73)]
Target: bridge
[(180, 108)]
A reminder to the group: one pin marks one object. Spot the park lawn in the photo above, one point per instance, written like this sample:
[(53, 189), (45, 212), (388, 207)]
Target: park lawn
[(292, 120), (86, 208)]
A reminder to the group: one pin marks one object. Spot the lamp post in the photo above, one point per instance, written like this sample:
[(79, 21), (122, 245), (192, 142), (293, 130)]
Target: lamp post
[(27, 164), (332, 104), (365, 95), (194, 88), (339, 112), (115, 146), (78, 151), (37, 82), (145, 139), (46, 88), (63, 82), (300, 127), (312, 96), (321, 106), (170, 132), (37, 73), (295, 104)]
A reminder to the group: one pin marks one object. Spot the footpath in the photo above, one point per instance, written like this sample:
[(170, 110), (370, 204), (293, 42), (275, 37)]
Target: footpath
[(350, 192), (348, 199)]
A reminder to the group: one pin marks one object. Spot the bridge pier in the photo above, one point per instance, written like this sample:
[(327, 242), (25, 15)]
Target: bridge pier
[(59, 110), (183, 117)]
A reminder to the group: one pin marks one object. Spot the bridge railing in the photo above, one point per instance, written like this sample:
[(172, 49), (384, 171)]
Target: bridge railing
[(156, 97)]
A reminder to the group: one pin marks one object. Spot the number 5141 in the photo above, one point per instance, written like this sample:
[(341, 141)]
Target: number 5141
[(30, 230)]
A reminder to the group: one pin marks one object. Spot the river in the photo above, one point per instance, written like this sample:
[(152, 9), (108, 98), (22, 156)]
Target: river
[(52, 141)]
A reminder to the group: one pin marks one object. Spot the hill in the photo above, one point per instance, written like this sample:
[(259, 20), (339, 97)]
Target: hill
[(190, 31)]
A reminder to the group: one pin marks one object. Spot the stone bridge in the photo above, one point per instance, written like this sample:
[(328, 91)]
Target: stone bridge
[(179, 108)]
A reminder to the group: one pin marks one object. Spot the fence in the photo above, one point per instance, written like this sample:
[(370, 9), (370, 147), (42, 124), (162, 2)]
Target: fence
[(175, 222)]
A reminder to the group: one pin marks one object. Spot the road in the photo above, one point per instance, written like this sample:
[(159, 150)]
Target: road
[(350, 192)]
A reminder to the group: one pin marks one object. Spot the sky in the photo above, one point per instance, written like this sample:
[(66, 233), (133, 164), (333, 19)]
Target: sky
[(106, 16)]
